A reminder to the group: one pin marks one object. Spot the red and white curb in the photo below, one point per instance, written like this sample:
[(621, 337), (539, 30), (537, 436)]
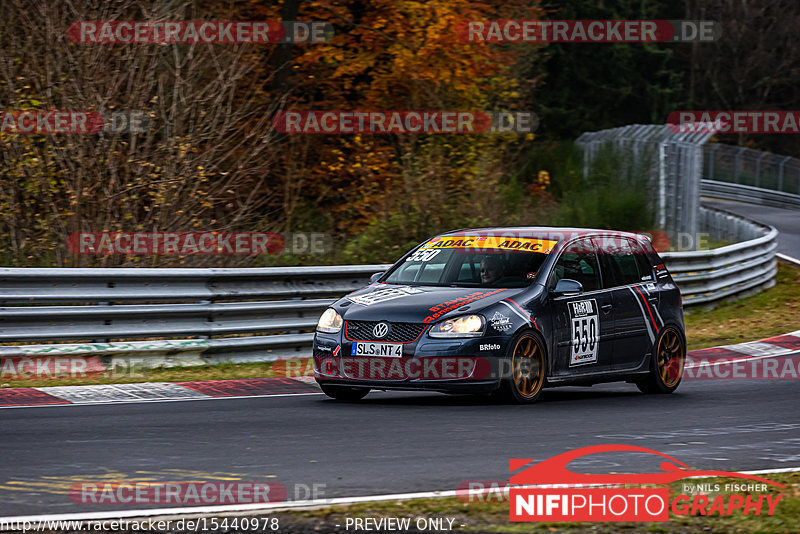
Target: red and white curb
[(773, 346), (773, 358), (156, 392), (701, 363)]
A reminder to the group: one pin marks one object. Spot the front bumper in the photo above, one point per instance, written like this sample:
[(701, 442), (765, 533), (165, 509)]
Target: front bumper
[(471, 387), (447, 365)]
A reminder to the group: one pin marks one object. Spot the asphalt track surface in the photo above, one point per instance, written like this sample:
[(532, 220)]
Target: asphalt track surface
[(395, 442), (787, 221), (389, 442)]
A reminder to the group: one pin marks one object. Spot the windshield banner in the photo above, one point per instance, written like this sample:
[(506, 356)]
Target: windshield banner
[(517, 244)]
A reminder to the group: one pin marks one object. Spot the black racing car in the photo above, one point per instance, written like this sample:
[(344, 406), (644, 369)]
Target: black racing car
[(506, 312)]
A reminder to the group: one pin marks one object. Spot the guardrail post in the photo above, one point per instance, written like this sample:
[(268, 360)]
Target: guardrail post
[(107, 322), (736, 165), (300, 314), (209, 317), (712, 154), (780, 172), (586, 158), (758, 168)]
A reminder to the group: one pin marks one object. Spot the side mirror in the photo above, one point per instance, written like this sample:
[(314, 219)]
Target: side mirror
[(565, 286), (374, 277)]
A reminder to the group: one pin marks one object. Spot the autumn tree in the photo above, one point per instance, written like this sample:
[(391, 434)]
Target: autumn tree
[(205, 161), (390, 55)]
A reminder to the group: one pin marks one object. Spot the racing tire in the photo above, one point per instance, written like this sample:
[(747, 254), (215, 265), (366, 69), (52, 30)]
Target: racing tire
[(666, 365), (527, 363), (344, 393)]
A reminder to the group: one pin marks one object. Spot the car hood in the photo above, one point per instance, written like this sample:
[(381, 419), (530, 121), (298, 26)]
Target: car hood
[(416, 304)]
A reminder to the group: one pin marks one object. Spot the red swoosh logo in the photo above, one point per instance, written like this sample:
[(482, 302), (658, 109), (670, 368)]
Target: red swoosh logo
[(554, 470)]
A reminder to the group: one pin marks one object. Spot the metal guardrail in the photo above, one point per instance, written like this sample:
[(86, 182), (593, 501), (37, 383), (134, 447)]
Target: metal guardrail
[(682, 168), (747, 193), (183, 313), (159, 317), (672, 161), (745, 166), (706, 276), (739, 173)]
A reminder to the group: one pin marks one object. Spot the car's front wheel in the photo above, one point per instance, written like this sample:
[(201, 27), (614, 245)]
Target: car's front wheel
[(524, 370), (344, 393), (666, 365)]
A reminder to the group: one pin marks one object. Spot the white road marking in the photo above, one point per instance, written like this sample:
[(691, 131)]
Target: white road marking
[(788, 259), (277, 506)]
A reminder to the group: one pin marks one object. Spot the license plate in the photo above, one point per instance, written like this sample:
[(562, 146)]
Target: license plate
[(361, 348)]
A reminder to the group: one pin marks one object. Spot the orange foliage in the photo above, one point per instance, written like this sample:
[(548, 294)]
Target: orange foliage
[(390, 55)]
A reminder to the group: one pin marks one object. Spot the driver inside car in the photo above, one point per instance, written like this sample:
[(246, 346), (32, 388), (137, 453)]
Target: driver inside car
[(491, 269)]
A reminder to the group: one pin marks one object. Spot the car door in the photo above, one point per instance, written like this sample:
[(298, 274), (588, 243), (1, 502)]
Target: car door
[(634, 326), (583, 327)]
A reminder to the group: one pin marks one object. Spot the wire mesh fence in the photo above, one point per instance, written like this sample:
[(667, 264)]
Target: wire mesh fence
[(744, 166), (672, 161)]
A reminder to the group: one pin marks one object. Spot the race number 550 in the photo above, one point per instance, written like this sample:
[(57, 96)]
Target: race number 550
[(583, 316)]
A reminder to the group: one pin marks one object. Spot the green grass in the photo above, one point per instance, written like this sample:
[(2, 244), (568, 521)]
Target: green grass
[(772, 312), (493, 517), (164, 374)]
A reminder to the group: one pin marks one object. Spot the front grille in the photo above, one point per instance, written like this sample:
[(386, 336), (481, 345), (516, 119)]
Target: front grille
[(398, 332)]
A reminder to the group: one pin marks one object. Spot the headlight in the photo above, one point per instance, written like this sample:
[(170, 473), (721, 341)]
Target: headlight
[(466, 326), (330, 322)]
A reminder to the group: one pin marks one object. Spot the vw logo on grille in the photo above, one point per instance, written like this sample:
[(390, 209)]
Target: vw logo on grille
[(380, 330)]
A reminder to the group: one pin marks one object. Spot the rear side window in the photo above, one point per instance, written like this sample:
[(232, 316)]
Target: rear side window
[(643, 261), (622, 262)]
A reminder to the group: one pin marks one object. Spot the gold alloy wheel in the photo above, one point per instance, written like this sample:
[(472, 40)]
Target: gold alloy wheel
[(671, 357), (527, 366)]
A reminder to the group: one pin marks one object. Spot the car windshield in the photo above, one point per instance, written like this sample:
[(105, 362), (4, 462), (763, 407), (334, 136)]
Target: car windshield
[(473, 261)]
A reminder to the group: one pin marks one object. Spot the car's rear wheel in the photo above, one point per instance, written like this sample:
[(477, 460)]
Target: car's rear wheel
[(666, 365), (344, 393), (526, 363)]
